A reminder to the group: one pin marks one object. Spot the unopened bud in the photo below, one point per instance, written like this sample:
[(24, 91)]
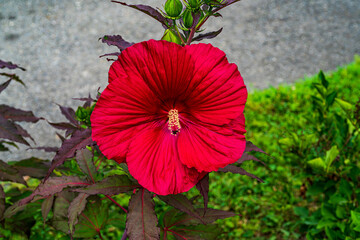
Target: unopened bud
[(188, 19), (193, 3), (170, 36), (173, 8)]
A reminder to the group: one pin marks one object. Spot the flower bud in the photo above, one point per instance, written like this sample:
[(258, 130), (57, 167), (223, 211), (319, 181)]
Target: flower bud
[(173, 8), (188, 18), (170, 36), (193, 3)]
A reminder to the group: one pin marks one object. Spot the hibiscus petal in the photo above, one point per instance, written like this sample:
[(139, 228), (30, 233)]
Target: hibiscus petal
[(218, 93), (208, 148), (153, 160)]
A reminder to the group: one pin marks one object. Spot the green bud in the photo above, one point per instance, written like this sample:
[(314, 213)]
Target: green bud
[(194, 3), (170, 36), (188, 18), (173, 8)]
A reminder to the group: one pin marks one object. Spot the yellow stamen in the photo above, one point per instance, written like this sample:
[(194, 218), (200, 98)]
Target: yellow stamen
[(174, 122)]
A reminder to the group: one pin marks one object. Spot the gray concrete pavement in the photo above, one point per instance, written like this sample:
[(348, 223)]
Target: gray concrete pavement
[(272, 42)]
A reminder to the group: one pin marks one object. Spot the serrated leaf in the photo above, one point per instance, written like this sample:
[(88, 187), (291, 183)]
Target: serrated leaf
[(251, 147), (141, 220), (13, 209), (112, 185), (79, 140), (69, 113), (323, 80), (46, 149), (9, 173), (54, 185), (87, 101), (10, 65), (17, 114), (330, 98), (180, 202), (84, 158), (208, 35), (76, 207), (13, 77), (346, 106), (64, 126), (117, 41), (46, 207), (150, 12), (247, 157), (203, 187), (224, 4), (239, 170), (2, 202), (33, 167), (11, 131)]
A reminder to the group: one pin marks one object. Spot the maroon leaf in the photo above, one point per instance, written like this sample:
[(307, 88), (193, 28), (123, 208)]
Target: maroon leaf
[(225, 4), (112, 185), (110, 54), (17, 114), (54, 185), (141, 220), (4, 85), (2, 202), (84, 158), (203, 187), (13, 77), (64, 126), (10, 65), (10, 130), (76, 207), (208, 35), (87, 101), (117, 41), (251, 147), (197, 232), (180, 202), (211, 215), (79, 140), (9, 173), (239, 170), (23, 132), (46, 207), (69, 113), (149, 11), (247, 157), (46, 149), (33, 167)]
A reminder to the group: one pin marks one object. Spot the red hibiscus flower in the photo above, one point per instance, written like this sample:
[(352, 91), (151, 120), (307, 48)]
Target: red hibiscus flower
[(172, 113)]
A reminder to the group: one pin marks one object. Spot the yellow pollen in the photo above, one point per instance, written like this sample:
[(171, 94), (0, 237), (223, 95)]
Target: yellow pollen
[(174, 123)]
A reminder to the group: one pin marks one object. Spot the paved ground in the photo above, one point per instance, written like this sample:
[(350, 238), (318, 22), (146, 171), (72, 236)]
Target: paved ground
[(272, 41)]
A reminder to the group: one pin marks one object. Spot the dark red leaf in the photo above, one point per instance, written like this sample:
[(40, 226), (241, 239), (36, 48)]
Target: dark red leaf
[(239, 170), (117, 41), (10, 130), (149, 11), (180, 202), (79, 140), (46, 207), (46, 149), (251, 147), (17, 114), (54, 185), (247, 157), (64, 126), (10, 173), (84, 158), (23, 132), (141, 220), (76, 207), (70, 115), (2, 202), (10, 65), (225, 4), (4, 85), (112, 185), (211, 215), (87, 101), (208, 35), (197, 232), (33, 167), (110, 54), (203, 187)]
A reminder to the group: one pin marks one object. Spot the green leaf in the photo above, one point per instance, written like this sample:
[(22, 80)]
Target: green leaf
[(340, 212), (198, 232), (84, 158), (345, 188), (323, 80), (330, 98), (301, 211), (112, 185), (327, 213), (346, 106), (2, 202), (317, 163), (331, 156), (355, 217), (141, 220)]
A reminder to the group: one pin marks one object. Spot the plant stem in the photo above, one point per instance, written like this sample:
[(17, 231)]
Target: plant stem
[(191, 35), (116, 203), (100, 236), (124, 236)]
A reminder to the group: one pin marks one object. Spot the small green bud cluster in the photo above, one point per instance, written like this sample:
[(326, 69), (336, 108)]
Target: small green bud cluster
[(173, 8)]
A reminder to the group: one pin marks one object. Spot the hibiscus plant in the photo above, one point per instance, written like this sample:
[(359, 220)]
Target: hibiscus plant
[(171, 114)]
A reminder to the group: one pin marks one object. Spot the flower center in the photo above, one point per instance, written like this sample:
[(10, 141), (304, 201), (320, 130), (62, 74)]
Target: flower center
[(174, 123)]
